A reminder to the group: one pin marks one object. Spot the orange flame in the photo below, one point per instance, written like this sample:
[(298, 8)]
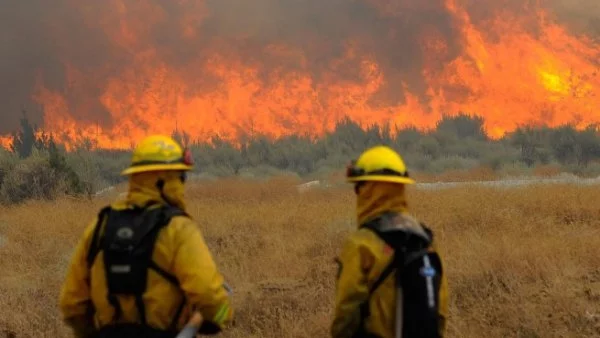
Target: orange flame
[(507, 72), (5, 142)]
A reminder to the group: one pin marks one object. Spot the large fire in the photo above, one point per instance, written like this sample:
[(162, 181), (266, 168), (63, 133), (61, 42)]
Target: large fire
[(162, 68)]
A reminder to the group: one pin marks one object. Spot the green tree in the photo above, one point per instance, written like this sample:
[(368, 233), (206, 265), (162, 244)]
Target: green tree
[(430, 147), (532, 143), (24, 139), (58, 162), (563, 142), (408, 139), (462, 126), (225, 155), (588, 146)]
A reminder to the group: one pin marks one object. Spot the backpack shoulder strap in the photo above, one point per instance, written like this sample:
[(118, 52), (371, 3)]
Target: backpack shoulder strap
[(387, 271), (384, 275), (427, 230), (396, 261), (167, 213), (406, 253), (373, 226), (94, 244)]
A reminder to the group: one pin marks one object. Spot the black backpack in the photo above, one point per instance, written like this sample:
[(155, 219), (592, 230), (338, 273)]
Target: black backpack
[(418, 271), (127, 240)]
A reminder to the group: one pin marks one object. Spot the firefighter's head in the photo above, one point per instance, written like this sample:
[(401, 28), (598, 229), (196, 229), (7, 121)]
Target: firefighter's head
[(378, 164), (159, 164), (379, 176), (159, 153)]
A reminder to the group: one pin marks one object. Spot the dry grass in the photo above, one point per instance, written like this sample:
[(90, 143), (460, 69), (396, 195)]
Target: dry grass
[(480, 173), (521, 262)]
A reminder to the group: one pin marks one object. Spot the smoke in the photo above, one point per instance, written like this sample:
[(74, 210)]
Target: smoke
[(23, 50), (582, 16), (73, 47), (36, 38)]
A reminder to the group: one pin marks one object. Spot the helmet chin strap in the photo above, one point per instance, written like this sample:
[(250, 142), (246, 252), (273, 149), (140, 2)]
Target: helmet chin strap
[(357, 186), (160, 184)]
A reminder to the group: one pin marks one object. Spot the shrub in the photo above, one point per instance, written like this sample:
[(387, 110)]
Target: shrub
[(32, 178), (8, 161), (452, 163), (87, 168), (42, 175), (462, 126)]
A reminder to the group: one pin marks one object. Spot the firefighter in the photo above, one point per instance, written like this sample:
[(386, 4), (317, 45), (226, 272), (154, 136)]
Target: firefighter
[(390, 281), (142, 267)]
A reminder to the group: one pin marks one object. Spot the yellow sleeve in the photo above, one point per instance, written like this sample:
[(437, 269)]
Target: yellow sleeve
[(351, 289), (199, 277), (75, 302)]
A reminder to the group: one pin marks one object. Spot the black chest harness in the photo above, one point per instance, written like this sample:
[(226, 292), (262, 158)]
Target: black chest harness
[(127, 238)]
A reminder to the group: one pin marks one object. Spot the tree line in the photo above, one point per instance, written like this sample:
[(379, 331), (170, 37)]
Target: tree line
[(456, 143)]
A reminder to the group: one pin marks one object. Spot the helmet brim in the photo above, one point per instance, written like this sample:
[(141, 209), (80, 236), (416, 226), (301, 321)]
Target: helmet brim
[(381, 178), (155, 167)]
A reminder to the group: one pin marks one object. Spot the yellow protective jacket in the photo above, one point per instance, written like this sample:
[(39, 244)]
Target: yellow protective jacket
[(363, 258), (179, 250)]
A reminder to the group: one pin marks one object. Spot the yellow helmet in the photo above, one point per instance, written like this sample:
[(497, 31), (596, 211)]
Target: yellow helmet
[(379, 163), (158, 152)]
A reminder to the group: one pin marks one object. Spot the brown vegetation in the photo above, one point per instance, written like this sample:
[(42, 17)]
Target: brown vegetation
[(521, 262)]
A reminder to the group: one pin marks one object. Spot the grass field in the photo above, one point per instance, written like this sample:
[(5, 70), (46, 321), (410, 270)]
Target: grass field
[(521, 262)]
